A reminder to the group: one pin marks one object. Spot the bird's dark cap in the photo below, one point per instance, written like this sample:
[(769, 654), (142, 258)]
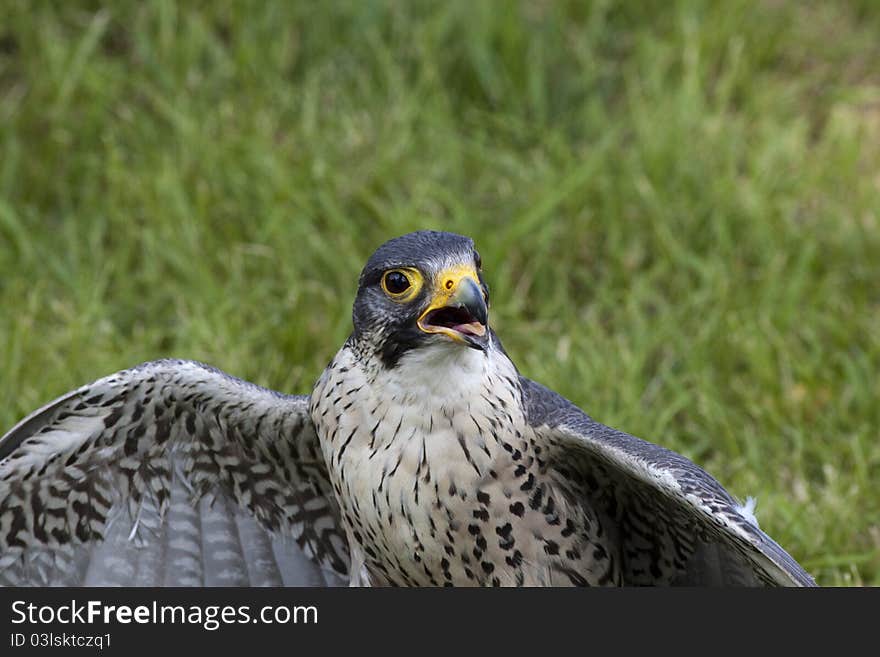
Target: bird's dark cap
[(419, 248)]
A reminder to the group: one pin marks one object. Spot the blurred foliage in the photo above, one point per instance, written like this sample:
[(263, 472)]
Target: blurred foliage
[(676, 203)]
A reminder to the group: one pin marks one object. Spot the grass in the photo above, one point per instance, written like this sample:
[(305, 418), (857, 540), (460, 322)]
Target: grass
[(676, 204)]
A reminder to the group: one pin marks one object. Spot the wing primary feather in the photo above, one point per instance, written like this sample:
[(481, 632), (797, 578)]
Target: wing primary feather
[(169, 472)]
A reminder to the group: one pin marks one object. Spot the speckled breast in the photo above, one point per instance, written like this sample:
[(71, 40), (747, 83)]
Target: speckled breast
[(441, 482)]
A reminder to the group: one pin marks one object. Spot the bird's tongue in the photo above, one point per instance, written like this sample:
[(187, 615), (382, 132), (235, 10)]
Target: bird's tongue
[(473, 328), (457, 319)]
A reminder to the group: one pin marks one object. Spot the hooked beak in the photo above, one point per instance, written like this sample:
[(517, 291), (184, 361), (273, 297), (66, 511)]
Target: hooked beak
[(458, 309)]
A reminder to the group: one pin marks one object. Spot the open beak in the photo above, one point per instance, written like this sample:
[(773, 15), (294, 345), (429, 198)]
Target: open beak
[(458, 309)]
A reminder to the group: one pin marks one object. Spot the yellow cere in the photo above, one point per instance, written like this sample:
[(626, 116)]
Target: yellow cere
[(447, 282)]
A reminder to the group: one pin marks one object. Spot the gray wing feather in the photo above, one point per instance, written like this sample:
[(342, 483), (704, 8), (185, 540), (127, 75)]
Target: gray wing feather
[(676, 524), (32, 424), (170, 473)]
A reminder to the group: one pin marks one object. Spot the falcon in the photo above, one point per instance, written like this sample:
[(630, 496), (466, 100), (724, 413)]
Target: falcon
[(422, 457)]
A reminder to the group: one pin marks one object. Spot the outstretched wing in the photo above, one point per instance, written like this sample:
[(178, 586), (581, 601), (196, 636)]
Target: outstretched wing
[(169, 473), (675, 523)]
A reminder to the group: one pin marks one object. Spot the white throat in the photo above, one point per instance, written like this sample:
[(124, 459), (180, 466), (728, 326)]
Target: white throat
[(439, 375)]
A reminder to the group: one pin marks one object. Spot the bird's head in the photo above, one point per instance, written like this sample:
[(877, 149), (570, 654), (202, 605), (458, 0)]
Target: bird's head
[(420, 289)]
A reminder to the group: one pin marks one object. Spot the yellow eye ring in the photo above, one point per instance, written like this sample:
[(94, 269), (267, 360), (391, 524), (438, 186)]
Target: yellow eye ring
[(401, 284)]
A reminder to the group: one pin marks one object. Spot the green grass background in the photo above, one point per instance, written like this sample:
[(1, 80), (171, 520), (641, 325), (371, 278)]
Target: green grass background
[(677, 204)]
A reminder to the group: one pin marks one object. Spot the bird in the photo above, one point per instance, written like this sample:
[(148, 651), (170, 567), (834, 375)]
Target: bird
[(421, 457)]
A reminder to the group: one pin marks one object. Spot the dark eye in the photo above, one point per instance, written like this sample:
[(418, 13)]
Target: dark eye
[(396, 282)]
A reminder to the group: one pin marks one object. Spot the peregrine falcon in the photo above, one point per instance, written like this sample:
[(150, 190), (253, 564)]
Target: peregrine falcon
[(422, 457)]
